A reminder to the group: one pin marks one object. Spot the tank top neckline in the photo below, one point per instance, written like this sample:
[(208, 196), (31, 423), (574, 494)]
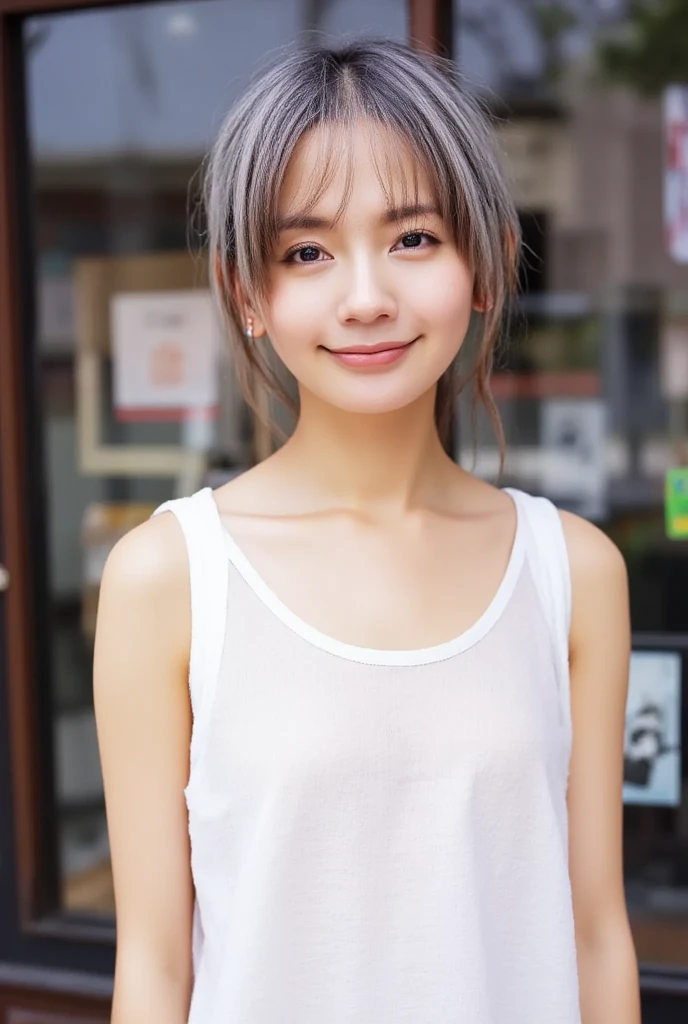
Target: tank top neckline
[(380, 656)]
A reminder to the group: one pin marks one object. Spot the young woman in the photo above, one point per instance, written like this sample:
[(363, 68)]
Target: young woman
[(360, 713)]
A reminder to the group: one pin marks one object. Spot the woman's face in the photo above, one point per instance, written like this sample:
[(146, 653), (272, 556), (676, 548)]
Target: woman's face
[(377, 278)]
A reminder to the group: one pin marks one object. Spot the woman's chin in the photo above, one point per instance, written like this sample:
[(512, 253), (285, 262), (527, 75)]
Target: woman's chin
[(373, 401)]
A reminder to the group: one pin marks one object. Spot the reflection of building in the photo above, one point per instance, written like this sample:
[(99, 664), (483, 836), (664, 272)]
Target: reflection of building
[(121, 106), (594, 169), (588, 176), (610, 301)]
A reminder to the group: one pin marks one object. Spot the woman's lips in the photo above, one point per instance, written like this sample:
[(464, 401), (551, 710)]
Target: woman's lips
[(381, 357)]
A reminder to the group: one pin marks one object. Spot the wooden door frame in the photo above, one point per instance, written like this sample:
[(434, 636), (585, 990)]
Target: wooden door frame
[(431, 25), (14, 552), (429, 28)]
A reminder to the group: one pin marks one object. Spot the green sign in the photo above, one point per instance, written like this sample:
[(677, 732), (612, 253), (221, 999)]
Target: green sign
[(676, 503)]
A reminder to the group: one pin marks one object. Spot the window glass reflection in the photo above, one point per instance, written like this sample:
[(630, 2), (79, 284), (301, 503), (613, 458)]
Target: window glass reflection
[(122, 106), (593, 387)]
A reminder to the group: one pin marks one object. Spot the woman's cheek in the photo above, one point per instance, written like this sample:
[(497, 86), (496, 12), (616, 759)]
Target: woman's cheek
[(446, 293), (294, 332), (299, 315)]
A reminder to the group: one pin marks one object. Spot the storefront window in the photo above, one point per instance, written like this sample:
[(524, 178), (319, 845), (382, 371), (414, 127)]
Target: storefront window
[(122, 105), (593, 385)]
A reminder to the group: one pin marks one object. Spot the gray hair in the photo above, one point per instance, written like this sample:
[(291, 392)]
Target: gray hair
[(412, 95)]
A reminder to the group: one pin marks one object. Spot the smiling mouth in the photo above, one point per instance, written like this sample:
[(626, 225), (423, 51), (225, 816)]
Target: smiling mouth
[(371, 356), (365, 350)]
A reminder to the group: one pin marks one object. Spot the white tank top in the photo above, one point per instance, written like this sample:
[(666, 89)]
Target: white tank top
[(379, 836)]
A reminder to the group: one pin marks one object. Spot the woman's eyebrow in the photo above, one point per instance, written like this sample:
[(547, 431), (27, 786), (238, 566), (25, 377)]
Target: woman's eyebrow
[(392, 215), (398, 213)]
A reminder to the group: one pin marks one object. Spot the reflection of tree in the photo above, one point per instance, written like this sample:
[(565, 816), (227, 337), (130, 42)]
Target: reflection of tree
[(646, 46), (653, 50), (551, 23), (486, 25)]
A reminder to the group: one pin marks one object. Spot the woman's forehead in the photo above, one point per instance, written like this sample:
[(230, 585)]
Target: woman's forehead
[(330, 160)]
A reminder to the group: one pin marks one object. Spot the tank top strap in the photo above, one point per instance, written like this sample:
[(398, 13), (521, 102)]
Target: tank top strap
[(203, 532), (548, 559)]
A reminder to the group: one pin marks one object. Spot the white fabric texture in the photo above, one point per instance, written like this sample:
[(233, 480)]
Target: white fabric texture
[(380, 837)]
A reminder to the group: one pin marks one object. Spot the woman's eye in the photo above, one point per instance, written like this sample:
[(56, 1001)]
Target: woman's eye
[(308, 254), (413, 239)]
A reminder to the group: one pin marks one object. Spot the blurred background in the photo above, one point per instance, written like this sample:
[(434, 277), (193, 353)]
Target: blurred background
[(107, 112)]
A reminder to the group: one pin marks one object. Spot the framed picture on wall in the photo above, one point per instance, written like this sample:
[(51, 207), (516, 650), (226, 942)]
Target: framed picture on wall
[(149, 317), (652, 746)]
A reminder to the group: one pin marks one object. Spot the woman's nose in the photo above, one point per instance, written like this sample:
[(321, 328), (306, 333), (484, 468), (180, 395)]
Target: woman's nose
[(367, 295)]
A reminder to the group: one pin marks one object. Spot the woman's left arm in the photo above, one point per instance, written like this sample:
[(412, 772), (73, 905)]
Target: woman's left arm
[(600, 652)]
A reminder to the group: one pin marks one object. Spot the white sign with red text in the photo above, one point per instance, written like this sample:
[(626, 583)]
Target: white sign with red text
[(165, 355)]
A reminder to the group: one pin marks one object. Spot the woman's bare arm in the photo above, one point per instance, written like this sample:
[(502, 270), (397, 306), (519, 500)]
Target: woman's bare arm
[(600, 648), (144, 721)]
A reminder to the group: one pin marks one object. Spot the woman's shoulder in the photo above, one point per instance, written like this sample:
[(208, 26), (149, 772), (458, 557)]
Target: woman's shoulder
[(143, 626), (592, 554), (594, 557), (149, 556)]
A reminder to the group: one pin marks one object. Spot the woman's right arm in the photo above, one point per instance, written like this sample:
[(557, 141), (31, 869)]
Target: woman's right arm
[(143, 719)]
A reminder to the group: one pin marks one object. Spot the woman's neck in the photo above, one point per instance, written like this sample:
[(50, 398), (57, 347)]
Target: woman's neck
[(377, 465)]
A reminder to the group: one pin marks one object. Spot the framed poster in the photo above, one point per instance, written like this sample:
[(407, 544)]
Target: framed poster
[(97, 281), (652, 745), (114, 295)]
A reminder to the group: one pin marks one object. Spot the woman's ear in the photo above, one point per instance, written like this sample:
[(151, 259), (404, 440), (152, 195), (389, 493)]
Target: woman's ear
[(479, 305), (256, 323), (482, 302), (248, 314)]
